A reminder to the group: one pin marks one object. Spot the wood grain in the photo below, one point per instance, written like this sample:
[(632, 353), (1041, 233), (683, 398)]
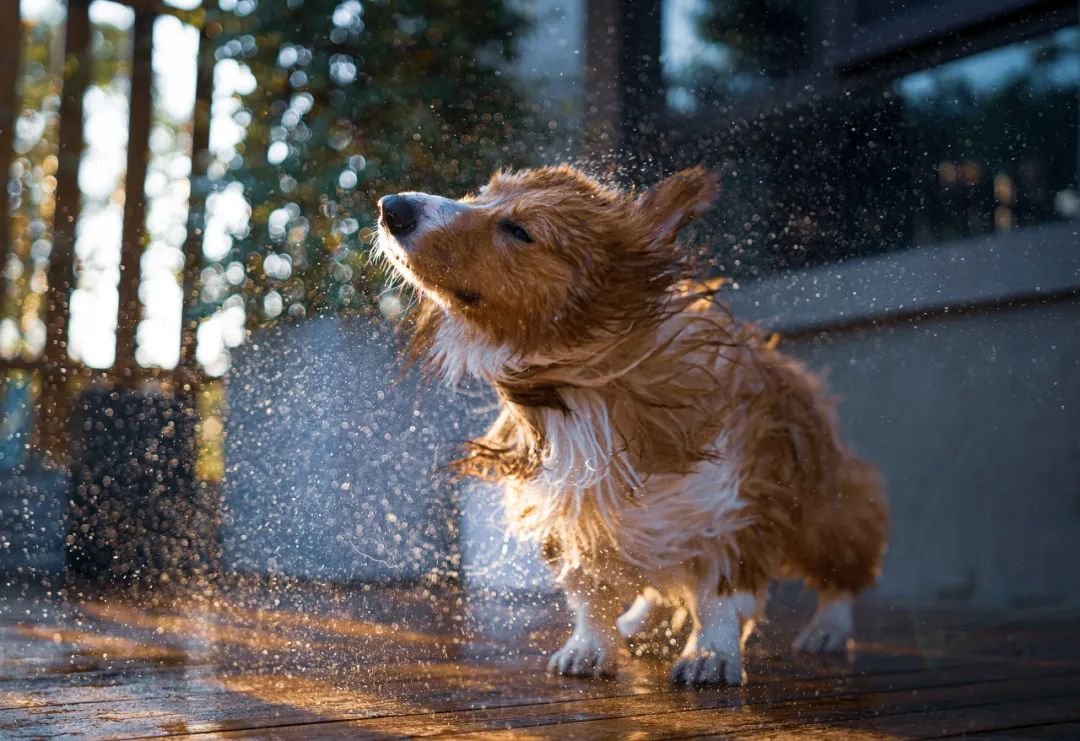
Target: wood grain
[(309, 662)]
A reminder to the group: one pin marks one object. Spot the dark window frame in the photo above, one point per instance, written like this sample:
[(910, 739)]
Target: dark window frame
[(852, 42)]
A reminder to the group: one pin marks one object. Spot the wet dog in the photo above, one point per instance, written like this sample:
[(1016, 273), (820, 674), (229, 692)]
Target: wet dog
[(657, 449)]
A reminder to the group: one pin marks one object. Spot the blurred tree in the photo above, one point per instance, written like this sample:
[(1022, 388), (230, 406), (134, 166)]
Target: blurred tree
[(31, 182), (761, 39), (31, 185), (353, 100)]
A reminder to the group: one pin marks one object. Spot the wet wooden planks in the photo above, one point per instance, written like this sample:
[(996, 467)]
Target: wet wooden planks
[(314, 662)]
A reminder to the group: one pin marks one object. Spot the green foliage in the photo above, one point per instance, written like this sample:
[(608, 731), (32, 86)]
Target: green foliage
[(355, 100), (31, 186)]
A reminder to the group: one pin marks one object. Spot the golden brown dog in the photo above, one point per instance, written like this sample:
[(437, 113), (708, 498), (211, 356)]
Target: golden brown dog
[(652, 444)]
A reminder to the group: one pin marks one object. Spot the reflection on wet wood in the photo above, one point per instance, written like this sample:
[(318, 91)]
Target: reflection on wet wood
[(309, 661)]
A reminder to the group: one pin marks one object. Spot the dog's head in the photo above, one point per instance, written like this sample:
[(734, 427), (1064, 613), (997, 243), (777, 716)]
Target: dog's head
[(543, 257)]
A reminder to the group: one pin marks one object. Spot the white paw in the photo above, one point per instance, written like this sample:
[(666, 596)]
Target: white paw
[(708, 667), (584, 656), (830, 630)]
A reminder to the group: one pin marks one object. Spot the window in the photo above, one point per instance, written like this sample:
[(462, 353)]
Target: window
[(980, 145), (995, 139)]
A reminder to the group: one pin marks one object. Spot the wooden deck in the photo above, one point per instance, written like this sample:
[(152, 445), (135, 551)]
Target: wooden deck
[(291, 661)]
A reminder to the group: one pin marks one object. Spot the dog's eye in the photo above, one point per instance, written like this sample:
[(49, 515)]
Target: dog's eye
[(515, 230)]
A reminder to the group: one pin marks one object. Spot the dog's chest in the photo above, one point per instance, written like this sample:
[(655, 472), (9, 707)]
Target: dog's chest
[(590, 496)]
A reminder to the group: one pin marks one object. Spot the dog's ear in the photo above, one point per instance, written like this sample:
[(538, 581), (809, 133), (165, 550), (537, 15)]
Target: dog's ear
[(669, 205)]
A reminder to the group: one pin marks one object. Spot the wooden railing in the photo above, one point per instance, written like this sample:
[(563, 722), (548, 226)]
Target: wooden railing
[(59, 374)]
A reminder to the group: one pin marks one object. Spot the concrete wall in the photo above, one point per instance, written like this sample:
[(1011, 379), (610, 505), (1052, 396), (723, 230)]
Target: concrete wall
[(32, 526), (958, 370), (975, 422)]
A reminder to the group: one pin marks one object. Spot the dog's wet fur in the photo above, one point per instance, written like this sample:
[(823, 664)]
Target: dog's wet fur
[(659, 450)]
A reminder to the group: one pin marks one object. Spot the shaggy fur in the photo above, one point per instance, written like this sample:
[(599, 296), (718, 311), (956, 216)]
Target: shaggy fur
[(646, 438)]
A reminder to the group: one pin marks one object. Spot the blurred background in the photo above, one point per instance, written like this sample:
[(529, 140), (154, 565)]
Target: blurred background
[(199, 364)]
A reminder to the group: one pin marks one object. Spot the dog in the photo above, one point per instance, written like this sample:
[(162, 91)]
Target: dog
[(657, 449)]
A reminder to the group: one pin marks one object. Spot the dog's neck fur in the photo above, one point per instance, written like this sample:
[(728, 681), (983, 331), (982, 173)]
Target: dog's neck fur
[(459, 352), (627, 404)]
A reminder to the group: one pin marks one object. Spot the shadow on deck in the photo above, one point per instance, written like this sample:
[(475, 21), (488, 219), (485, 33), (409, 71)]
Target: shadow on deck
[(308, 661)]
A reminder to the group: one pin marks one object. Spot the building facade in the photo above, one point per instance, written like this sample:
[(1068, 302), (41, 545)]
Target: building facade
[(899, 201)]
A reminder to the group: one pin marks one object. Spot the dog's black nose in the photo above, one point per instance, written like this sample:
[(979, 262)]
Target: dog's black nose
[(398, 214)]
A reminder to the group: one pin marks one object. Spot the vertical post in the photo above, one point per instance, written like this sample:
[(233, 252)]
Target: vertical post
[(134, 234), (603, 54), (53, 404), (187, 378), (624, 86), (200, 161), (641, 88), (10, 36)]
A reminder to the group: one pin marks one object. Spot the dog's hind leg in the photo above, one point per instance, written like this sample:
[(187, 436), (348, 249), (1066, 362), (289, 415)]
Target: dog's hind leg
[(840, 554), (830, 629)]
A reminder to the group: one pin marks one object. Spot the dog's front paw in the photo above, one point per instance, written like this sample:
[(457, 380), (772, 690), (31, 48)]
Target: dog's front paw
[(709, 666), (584, 656)]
